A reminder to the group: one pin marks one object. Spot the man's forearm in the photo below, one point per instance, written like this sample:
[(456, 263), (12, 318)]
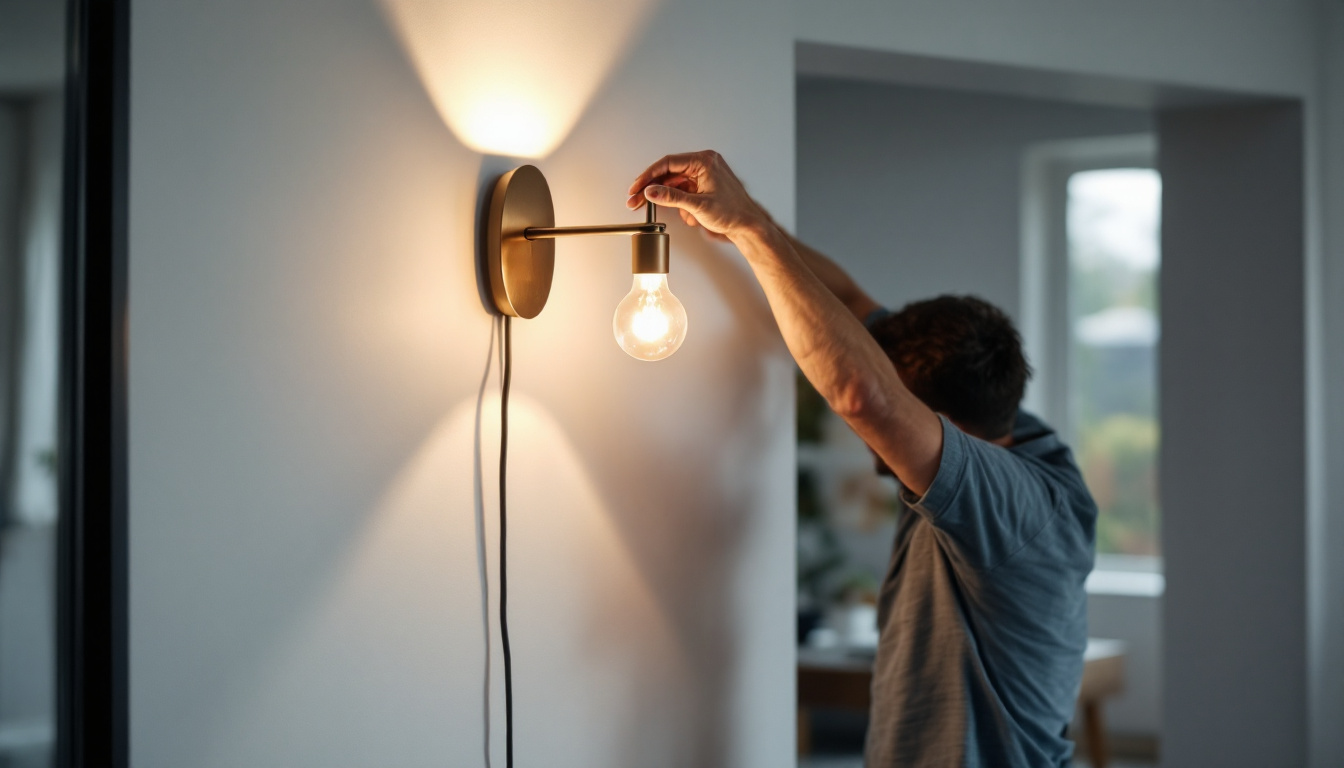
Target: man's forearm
[(842, 360)]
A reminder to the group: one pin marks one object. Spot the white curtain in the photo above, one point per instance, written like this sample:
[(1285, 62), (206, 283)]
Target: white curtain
[(30, 258), (11, 295)]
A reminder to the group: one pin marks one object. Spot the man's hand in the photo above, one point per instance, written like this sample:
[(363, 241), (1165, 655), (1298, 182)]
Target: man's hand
[(706, 192), (815, 309)]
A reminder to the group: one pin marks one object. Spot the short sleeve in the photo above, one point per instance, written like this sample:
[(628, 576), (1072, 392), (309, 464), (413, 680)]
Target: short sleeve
[(991, 501), (876, 316)]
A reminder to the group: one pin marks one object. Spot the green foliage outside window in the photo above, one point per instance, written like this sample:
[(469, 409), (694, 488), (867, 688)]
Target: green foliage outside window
[(1117, 455)]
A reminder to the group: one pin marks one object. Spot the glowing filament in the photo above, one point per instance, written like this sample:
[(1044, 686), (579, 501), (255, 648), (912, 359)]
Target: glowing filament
[(650, 323)]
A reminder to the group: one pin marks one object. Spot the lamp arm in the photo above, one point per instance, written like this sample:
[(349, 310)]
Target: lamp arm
[(550, 233), (651, 226)]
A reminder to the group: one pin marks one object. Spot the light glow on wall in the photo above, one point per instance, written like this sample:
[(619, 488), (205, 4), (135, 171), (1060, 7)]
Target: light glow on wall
[(511, 77), (402, 615)]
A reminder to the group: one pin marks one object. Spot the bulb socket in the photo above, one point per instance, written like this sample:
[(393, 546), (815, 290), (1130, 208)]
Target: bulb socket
[(649, 253)]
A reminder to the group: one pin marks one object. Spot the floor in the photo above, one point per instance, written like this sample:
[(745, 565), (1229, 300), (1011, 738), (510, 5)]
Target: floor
[(856, 761), (837, 741)]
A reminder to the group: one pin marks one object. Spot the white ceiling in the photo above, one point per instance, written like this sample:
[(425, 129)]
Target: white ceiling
[(822, 60)]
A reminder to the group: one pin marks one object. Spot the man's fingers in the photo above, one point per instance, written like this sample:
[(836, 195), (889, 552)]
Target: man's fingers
[(669, 164), (674, 197), (680, 181)]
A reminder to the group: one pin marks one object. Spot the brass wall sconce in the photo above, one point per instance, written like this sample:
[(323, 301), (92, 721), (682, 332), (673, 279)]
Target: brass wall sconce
[(649, 323)]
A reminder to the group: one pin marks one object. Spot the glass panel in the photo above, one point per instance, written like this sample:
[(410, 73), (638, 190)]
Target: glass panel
[(32, 58), (1113, 224)]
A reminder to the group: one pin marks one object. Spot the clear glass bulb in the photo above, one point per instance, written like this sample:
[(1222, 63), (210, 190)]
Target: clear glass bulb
[(650, 322)]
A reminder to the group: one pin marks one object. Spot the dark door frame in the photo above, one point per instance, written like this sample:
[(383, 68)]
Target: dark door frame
[(91, 684)]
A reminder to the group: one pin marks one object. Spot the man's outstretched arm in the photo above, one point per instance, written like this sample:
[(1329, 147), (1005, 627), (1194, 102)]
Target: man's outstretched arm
[(836, 280), (822, 332)]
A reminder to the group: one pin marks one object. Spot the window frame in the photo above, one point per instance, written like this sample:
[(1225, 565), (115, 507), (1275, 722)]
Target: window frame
[(1044, 297)]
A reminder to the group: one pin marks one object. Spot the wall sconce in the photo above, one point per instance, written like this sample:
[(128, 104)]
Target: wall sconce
[(649, 323)]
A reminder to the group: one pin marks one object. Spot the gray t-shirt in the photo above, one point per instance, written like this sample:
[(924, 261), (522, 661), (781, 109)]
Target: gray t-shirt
[(982, 612)]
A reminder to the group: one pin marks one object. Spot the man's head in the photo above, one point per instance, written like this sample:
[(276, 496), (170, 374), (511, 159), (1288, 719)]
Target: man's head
[(962, 356)]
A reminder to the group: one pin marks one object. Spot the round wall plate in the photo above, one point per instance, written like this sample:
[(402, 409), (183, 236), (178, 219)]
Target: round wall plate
[(520, 269)]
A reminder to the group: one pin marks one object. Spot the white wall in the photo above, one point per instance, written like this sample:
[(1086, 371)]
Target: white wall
[(307, 352), (1235, 529), (1136, 619), (1239, 45), (306, 356), (1325, 286), (917, 190)]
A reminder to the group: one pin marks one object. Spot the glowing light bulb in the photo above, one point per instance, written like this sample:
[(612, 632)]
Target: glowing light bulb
[(650, 323)]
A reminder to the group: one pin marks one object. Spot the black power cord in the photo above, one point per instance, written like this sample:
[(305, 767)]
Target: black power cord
[(503, 542)]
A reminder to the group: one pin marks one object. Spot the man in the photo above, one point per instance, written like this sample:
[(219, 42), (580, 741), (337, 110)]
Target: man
[(982, 612)]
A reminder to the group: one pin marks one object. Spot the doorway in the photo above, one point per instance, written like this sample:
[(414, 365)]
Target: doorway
[(916, 174)]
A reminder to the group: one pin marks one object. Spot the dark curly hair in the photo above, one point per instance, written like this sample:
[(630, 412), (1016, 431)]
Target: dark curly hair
[(962, 356)]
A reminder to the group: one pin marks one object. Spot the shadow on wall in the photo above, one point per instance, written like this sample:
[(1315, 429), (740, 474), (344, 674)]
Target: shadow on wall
[(492, 167), (482, 559), (686, 516), (685, 537), (590, 634), (651, 621)]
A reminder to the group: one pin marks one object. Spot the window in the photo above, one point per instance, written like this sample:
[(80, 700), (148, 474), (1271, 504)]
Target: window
[(1091, 257), (1113, 257)]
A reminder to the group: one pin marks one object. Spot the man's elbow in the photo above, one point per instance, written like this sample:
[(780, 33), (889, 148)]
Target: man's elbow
[(859, 401)]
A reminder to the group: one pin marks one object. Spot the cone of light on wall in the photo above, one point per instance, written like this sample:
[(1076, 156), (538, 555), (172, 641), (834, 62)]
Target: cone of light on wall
[(519, 254)]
